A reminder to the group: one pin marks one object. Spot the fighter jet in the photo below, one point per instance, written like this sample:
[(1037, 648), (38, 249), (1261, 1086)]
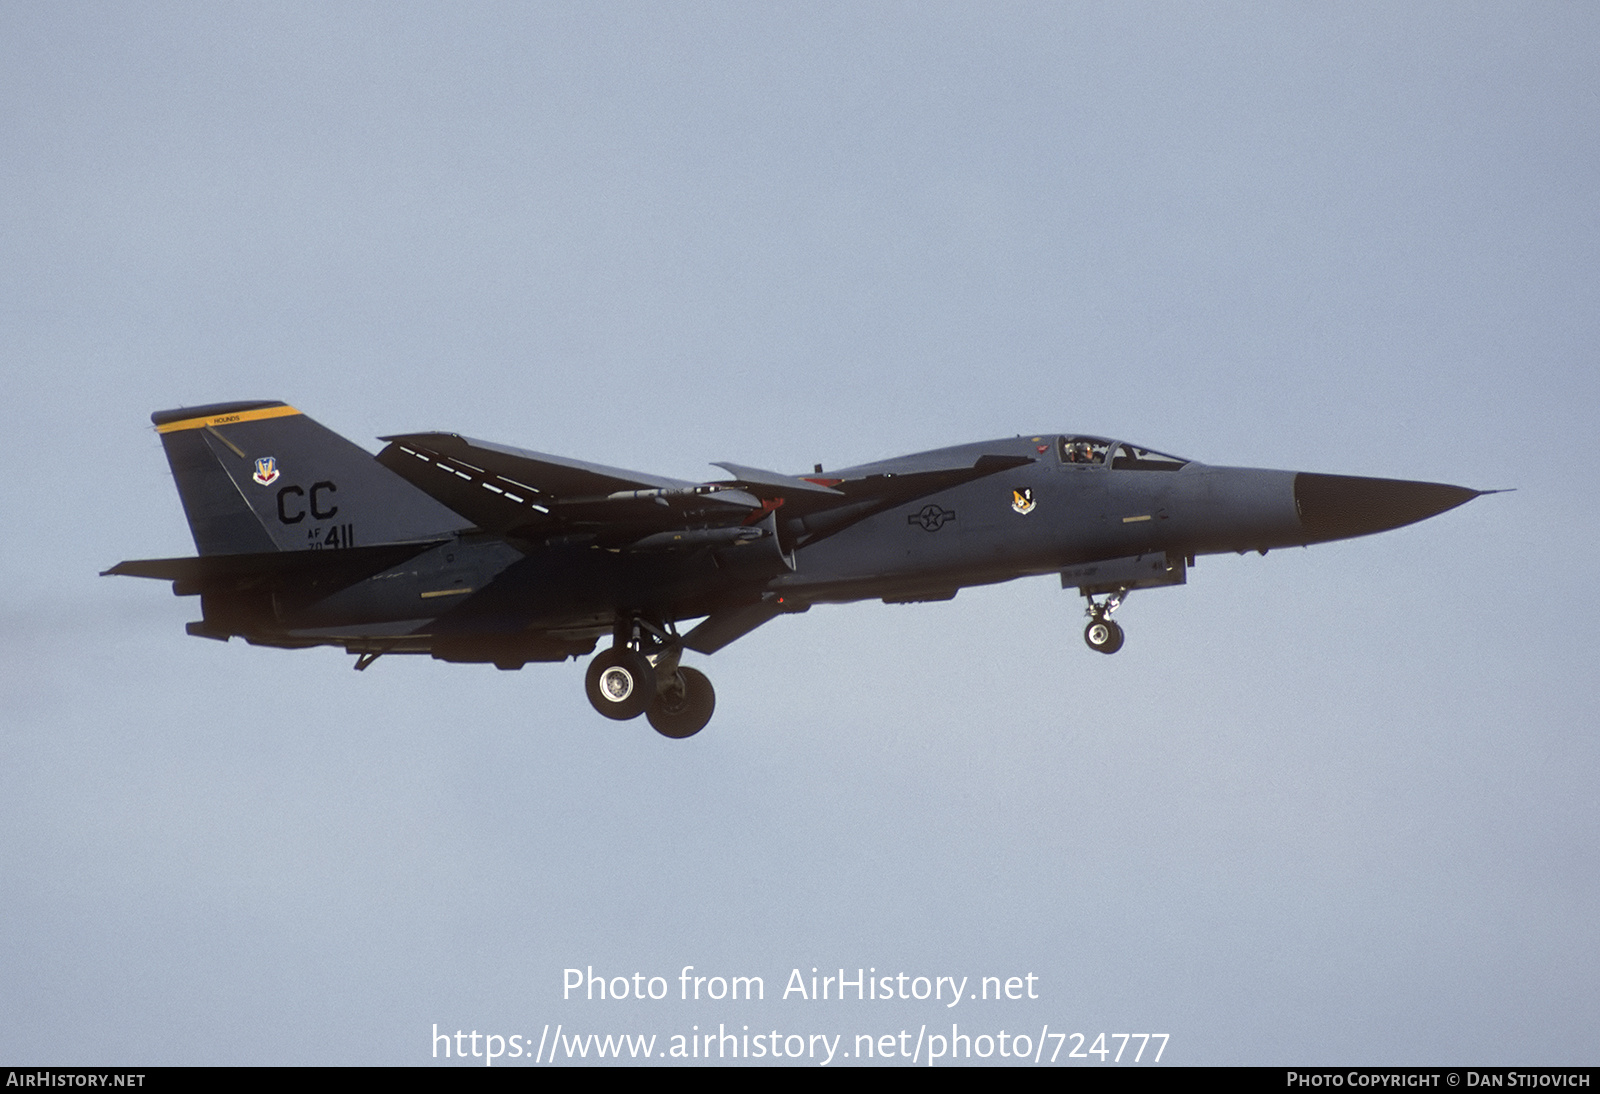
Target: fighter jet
[(470, 551)]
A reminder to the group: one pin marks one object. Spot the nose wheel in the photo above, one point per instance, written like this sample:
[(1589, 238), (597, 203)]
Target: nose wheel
[(1102, 635)]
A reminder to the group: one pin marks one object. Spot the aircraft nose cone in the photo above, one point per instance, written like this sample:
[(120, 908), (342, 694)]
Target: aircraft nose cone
[(1340, 506)]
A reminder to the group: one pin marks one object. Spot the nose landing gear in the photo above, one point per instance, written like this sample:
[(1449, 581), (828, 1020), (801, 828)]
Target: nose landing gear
[(1102, 635)]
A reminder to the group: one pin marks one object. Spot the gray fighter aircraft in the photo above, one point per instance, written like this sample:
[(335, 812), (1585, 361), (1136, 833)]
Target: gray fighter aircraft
[(470, 551)]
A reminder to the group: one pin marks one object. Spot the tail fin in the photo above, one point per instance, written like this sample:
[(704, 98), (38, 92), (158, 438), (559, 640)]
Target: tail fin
[(261, 476)]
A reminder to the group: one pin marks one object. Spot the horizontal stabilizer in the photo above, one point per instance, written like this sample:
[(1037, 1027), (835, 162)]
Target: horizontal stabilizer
[(352, 564)]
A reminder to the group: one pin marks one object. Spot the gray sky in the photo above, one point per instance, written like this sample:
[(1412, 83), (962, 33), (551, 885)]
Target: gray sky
[(1333, 805)]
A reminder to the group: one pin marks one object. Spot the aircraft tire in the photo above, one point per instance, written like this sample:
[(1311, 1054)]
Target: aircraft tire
[(1103, 636), (620, 683), (680, 712)]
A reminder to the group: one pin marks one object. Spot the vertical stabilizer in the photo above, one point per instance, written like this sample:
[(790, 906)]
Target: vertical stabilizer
[(261, 476)]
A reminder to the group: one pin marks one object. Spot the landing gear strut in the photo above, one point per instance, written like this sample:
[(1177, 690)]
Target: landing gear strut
[(640, 674), (1102, 634)]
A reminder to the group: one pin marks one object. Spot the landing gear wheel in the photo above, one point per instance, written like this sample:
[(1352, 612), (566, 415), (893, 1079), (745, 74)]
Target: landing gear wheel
[(683, 707), (620, 683), (1103, 635)]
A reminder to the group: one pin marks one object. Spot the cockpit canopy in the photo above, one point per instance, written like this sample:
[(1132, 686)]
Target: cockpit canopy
[(1083, 451)]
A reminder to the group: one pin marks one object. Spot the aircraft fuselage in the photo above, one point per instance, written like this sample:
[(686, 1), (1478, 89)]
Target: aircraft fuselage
[(470, 551)]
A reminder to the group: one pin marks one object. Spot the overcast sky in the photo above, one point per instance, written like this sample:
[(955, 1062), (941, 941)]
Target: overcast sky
[(1328, 806)]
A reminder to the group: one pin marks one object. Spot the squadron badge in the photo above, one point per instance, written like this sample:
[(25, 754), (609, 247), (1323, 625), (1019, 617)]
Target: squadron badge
[(266, 470), (1022, 500)]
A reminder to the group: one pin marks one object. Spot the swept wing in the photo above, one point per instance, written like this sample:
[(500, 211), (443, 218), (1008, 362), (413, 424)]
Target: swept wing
[(539, 497)]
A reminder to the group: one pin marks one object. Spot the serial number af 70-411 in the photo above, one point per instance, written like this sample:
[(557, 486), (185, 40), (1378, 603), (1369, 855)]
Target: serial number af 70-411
[(471, 551)]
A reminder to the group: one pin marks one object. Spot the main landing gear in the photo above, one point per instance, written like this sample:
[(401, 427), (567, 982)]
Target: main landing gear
[(684, 706), (640, 674), (620, 682), (1102, 634)]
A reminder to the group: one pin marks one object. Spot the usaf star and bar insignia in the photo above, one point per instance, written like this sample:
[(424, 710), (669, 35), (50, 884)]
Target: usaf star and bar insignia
[(931, 517)]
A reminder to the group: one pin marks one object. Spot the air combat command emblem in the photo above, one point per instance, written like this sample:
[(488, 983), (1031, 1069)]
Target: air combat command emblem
[(266, 470)]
